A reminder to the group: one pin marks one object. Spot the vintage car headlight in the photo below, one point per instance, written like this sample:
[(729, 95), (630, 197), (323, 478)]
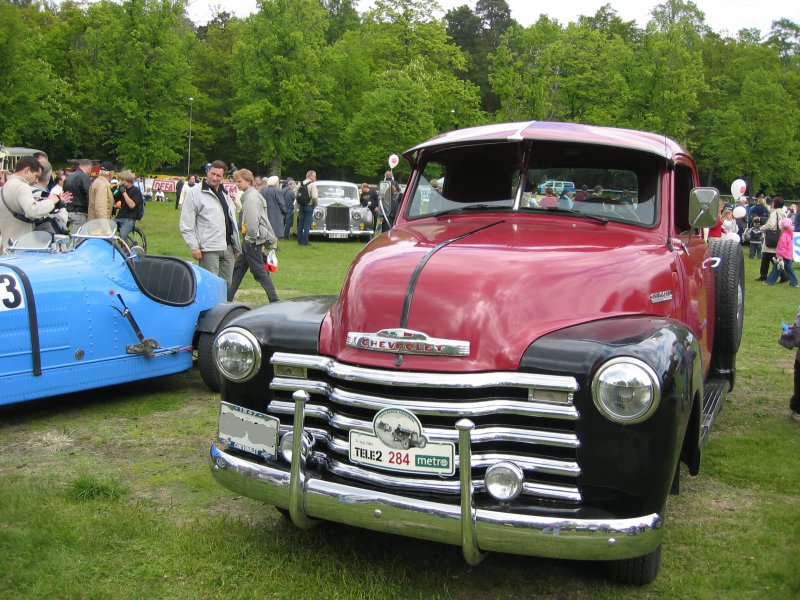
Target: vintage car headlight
[(319, 214), (237, 354), (626, 390), (503, 481), (356, 215)]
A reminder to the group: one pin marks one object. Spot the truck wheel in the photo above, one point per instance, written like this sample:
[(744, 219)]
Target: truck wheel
[(205, 355), (635, 571), (729, 288)]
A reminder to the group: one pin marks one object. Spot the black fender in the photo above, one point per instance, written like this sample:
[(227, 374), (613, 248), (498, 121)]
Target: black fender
[(211, 319), (286, 326), (626, 467)]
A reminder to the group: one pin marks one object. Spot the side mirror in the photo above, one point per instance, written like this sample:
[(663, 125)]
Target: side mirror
[(704, 207), (137, 252)]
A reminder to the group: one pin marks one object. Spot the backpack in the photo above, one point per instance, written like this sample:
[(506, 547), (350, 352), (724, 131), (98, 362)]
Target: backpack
[(303, 197), (139, 214)]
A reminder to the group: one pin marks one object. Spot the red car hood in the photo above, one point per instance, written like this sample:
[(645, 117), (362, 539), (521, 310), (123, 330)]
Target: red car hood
[(499, 285)]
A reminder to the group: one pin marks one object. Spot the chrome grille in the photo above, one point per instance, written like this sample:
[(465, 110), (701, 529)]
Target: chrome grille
[(538, 436), (337, 218)]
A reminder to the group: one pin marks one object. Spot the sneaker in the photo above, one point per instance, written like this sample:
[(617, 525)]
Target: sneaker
[(795, 417), (761, 279), (793, 285)]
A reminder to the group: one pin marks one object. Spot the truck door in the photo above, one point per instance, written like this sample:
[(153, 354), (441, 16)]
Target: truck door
[(696, 276)]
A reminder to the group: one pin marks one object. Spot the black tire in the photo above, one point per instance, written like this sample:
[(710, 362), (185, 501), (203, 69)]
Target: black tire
[(729, 288), (138, 238), (635, 571), (205, 351)]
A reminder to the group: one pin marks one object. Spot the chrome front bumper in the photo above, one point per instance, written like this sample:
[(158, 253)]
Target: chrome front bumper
[(310, 499)]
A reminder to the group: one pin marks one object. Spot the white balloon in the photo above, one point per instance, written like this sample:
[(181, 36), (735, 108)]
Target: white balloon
[(738, 188), (739, 212), (393, 161)]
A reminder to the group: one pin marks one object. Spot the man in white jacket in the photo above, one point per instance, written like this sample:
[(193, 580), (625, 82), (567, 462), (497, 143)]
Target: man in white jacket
[(19, 208), (208, 224)]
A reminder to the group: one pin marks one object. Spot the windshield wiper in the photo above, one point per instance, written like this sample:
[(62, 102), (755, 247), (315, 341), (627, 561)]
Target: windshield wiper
[(472, 207), (568, 211)]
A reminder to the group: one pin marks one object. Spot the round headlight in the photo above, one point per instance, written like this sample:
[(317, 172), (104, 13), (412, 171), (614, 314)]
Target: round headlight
[(356, 215), (237, 354), (319, 214), (504, 481), (626, 390)]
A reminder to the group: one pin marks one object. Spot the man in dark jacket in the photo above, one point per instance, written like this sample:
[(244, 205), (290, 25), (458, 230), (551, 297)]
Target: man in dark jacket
[(178, 188), (78, 184)]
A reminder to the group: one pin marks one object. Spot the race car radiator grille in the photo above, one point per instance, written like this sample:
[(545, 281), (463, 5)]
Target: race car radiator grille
[(337, 218), (523, 418)]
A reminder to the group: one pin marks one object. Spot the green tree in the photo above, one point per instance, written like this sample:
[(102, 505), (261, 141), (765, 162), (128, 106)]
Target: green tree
[(211, 65), (31, 104), (282, 86), (397, 114)]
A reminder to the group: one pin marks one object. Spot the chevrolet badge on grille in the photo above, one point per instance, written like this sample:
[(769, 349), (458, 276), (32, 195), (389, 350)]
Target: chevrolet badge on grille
[(407, 341)]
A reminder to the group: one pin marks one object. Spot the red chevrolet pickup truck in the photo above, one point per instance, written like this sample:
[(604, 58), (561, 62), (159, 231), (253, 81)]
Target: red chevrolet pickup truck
[(497, 373)]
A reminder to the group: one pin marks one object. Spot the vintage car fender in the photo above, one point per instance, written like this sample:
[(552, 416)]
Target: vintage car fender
[(644, 455)]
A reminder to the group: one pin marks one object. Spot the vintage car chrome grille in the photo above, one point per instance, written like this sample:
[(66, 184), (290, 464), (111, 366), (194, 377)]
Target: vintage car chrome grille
[(538, 436), (337, 218)]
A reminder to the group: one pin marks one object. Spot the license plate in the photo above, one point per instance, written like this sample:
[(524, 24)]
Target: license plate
[(433, 458), (248, 430), (337, 236)]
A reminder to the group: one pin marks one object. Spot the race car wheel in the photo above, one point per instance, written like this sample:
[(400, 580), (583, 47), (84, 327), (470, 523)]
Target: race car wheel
[(635, 571), (205, 351), (729, 288)]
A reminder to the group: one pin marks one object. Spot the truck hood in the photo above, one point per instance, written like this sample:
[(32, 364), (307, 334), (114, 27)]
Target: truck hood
[(496, 284)]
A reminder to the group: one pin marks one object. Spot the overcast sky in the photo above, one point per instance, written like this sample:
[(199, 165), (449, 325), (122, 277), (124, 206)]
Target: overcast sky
[(728, 15)]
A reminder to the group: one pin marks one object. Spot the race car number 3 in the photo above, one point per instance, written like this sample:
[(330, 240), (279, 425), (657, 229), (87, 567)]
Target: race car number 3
[(10, 292)]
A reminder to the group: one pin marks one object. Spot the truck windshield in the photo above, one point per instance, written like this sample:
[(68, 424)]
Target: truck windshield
[(611, 183)]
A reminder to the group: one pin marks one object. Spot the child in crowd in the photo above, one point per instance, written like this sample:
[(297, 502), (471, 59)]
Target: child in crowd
[(791, 339), (783, 255), (756, 238), (729, 225)]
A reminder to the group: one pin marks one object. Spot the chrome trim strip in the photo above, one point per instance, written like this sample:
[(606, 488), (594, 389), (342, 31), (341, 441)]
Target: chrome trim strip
[(425, 379), (566, 468), (443, 486), (532, 535), (423, 407), (479, 435)]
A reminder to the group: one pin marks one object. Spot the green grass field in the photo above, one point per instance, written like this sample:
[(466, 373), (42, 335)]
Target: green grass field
[(107, 494)]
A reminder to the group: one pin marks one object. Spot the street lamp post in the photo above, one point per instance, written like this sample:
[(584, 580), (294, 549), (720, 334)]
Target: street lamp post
[(189, 158)]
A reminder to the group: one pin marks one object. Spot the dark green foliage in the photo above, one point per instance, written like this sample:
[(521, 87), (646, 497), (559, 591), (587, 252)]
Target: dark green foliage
[(314, 84)]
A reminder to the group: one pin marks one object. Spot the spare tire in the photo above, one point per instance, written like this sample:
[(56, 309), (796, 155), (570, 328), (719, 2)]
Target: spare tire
[(729, 294)]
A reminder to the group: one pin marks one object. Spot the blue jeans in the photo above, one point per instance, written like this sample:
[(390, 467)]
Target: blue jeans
[(304, 217), (124, 227), (287, 224), (772, 279), (755, 250)]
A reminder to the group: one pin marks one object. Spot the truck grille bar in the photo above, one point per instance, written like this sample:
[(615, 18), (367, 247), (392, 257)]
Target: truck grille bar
[(538, 435)]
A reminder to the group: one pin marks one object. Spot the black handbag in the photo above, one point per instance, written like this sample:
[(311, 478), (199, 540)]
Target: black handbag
[(771, 237)]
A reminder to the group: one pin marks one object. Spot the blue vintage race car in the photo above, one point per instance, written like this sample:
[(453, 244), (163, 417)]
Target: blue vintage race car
[(85, 311)]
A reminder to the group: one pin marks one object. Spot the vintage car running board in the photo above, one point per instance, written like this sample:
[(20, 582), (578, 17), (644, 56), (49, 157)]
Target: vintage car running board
[(714, 391)]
